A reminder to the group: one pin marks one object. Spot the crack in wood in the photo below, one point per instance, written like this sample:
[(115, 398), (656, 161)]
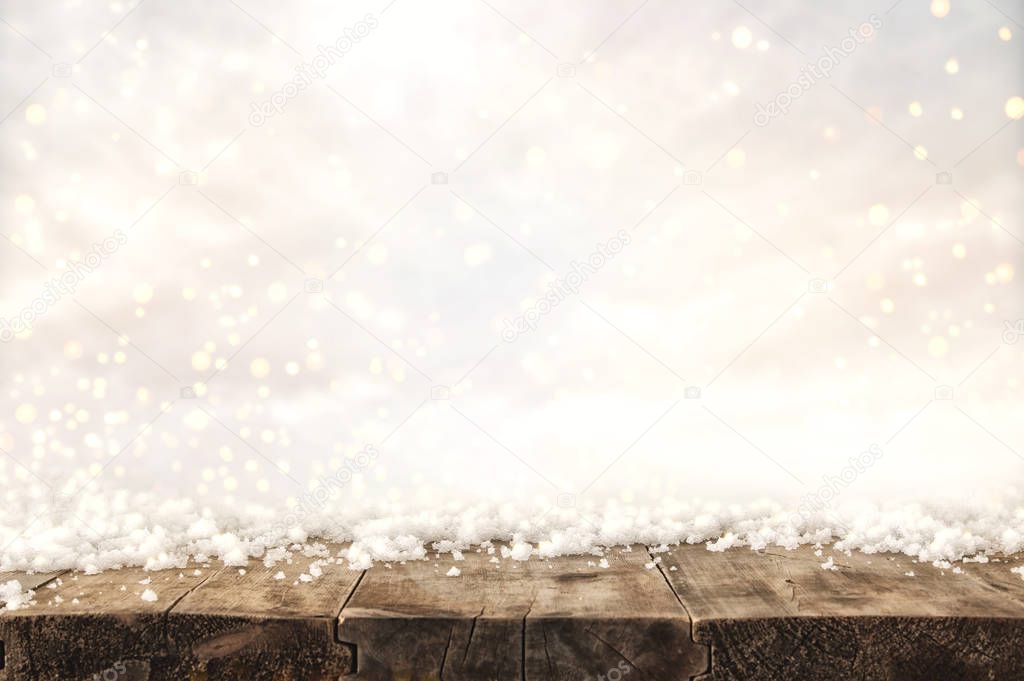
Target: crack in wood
[(708, 658), (444, 656), (547, 653), (522, 657), (472, 630)]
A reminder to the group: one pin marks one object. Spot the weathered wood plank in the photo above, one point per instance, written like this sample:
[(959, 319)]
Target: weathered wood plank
[(567, 618), (781, 615), (777, 615), (249, 624), (90, 624)]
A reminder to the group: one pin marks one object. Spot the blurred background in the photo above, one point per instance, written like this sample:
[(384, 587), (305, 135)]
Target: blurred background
[(349, 260)]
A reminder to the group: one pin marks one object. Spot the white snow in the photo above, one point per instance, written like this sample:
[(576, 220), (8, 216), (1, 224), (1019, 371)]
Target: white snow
[(453, 572), (149, 596), (137, 532), (12, 595)]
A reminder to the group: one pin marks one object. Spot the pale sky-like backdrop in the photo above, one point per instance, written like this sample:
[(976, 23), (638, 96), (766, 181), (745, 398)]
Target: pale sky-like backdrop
[(565, 255)]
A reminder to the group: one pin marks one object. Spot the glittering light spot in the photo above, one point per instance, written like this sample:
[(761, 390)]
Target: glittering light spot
[(377, 254), (73, 349), (292, 368), (142, 294), (24, 204), (1015, 107), (477, 254), (277, 292), (463, 212), (736, 158), (603, 150), (200, 361), (259, 367), (196, 420), (915, 109), (25, 413), (959, 251), (938, 346), (920, 279), (887, 305), (940, 8), (878, 214), (536, 157), (253, 260), (969, 210), (1004, 273), (956, 113), (952, 66), (35, 114), (731, 88), (742, 37), (920, 153), (1005, 33)]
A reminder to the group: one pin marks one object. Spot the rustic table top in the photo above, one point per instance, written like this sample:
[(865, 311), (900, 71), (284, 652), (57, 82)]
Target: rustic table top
[(680, 614)]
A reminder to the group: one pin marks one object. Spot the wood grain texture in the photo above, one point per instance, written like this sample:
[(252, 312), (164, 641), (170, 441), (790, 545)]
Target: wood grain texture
[(89, 624), (566, 618), (775, 615), (781, 615), (256, 627)]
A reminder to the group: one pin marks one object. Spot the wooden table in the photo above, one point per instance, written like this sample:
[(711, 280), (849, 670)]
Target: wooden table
[(692, 614)]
